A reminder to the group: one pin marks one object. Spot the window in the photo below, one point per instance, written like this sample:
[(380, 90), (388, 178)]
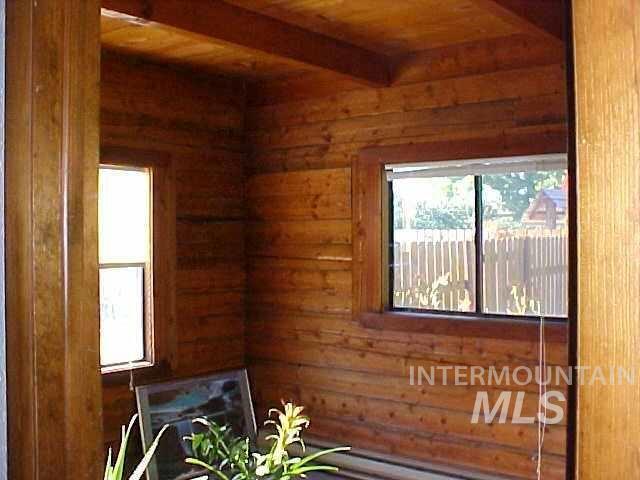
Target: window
[(483, 237), (125, 253)]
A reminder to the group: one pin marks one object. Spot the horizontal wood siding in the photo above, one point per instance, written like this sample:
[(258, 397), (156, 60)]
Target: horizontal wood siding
[(197, 123), (302, 342)]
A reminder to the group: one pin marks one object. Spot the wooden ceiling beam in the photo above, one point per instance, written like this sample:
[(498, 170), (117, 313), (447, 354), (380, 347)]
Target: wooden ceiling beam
[(224, 22), (542, 17)]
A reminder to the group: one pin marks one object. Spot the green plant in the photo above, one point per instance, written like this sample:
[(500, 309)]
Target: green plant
[(230, 458), (441, 217), (116, 471)]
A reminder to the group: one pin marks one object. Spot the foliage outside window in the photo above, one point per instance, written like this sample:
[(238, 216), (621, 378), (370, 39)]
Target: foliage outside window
[(486, 241)]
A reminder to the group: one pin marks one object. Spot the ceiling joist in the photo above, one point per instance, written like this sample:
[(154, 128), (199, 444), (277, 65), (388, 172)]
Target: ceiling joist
[(221, 21), (542, 17)]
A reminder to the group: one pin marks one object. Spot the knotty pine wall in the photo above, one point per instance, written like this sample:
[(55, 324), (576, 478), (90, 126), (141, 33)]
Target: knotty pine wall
[(302, 342), (197, 123)]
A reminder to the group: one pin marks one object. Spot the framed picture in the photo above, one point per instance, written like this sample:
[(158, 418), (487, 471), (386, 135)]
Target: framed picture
[(224, 398)]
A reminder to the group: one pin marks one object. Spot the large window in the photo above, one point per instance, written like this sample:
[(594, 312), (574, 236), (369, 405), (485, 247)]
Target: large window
[(484, 237), (125, 253)]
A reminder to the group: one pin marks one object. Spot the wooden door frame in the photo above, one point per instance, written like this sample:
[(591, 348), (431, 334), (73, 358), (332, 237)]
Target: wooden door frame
[(3, 364), (52, 144), (63, 172), (607, 104), (572, 324)]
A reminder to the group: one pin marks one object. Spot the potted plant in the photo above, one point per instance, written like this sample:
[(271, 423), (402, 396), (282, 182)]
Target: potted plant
[(229, 457)]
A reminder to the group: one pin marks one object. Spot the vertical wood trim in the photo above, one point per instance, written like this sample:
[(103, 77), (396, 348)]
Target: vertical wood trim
[(164, 259), (607, 69), (54, 398), (367, 236), (572, 248), (3, 357), (82, 107)]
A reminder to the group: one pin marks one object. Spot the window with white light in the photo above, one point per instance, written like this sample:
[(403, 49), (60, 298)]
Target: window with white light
[(479, 237), (125, 256)]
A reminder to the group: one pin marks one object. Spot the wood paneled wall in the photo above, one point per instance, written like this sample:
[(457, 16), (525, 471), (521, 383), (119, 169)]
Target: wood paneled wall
[(197, 123), (302, 342)]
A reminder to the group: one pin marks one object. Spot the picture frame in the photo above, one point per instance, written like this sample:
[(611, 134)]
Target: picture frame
[(223, 397)]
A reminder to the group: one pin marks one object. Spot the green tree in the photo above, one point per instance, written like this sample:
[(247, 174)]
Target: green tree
[(518, 189), (454, 188), (449, 217)]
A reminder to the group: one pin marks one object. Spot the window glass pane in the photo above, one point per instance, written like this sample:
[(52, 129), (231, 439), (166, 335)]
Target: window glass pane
[(121, 315), (525, 243), (124, 215), (433, 243)]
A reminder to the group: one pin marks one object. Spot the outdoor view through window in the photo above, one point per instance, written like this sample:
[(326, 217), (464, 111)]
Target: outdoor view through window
[(124, 249), (510, 214)]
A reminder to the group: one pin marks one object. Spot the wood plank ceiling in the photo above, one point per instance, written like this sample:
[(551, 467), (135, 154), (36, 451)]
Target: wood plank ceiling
[(276, 39)]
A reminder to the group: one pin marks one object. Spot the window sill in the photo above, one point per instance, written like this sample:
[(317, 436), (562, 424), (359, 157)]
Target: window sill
[(469, 326), (142, 372)]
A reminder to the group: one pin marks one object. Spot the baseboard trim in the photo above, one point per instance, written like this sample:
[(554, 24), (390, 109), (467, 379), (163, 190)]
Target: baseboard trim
[(362, 464), (359, 464)]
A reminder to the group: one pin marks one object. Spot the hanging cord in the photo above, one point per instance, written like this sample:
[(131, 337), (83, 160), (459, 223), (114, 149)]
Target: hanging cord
[(542, 391), (131, 383)]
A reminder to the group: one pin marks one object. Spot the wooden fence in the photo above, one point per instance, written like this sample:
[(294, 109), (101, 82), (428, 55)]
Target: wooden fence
[(525, 271)]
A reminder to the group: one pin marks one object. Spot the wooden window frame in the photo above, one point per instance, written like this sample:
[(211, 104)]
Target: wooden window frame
[(160, 278), (370, 280)]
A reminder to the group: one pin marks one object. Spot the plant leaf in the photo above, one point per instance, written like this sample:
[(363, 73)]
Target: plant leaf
[(313, 468), (108, 468), (118, 468), (311, 458), (144, 463), (199, 463)]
